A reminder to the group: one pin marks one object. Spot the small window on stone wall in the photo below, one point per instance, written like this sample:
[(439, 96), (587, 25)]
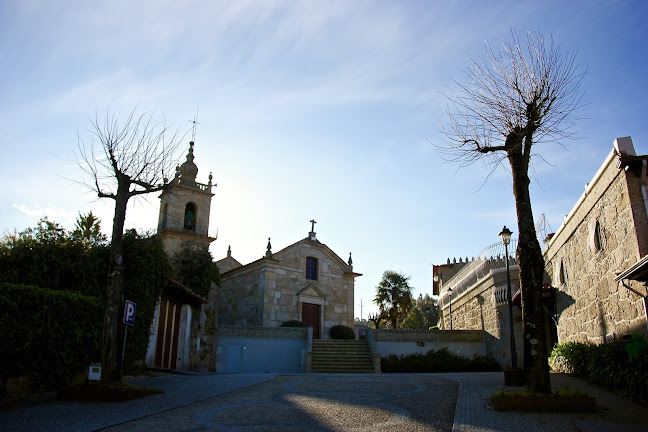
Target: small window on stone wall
[(562, 273), (597, 237)]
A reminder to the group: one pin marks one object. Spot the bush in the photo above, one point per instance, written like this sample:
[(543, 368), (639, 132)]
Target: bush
[(50, 335), (194, 267), (292, 323), (341, 332), (441, 360), (143, 288), (605, 365)]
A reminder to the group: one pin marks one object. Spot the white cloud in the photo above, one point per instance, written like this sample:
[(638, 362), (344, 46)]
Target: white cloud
[(52, 213)]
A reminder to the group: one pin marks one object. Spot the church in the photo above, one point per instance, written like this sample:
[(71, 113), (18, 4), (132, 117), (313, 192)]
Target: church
[(305, 281)]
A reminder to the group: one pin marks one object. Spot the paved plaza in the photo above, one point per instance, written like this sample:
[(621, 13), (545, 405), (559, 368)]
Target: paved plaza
[(323, 403)]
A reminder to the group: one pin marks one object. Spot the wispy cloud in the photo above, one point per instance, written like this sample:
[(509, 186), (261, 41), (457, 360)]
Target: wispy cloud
[(53, 213)]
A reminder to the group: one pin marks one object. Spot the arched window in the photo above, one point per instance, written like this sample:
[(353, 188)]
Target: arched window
[(190, 217), (311, 268), (597, 237), (562, 275)]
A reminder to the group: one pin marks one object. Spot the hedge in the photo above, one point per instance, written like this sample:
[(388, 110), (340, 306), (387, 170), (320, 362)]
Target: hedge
[(49, 335), (441, 360), (341, 332), (605, 365)]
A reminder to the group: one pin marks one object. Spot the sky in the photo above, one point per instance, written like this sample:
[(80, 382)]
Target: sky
[(306, 110)]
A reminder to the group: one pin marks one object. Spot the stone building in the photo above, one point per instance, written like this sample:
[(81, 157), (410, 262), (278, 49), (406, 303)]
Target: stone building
[(305, 281), (595, 259), (474, 298), (596, 267)]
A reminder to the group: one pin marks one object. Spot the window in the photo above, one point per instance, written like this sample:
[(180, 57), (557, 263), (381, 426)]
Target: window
[(562, 276), (190, 217), (597, 237), (311, 268)]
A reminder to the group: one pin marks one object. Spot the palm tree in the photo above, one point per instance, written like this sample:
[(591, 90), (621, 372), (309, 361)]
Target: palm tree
[(394, 296)]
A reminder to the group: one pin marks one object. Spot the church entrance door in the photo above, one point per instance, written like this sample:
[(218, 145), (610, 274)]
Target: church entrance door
[(166, 349), (311, 317)]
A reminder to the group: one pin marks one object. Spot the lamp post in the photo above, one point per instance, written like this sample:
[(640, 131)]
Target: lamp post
[(505, 235), (427, 316), (450, 297)]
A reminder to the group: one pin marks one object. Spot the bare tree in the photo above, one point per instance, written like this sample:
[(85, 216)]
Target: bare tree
[(123, 161), (514, 98)]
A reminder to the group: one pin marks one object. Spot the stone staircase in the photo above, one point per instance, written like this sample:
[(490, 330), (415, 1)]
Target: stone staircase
[(341, 356)]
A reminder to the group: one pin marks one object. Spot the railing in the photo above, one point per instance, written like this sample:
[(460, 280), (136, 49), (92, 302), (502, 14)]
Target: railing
[(491, 258), (196, 185)]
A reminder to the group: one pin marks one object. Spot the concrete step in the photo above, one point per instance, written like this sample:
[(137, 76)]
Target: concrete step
[(341, 356)]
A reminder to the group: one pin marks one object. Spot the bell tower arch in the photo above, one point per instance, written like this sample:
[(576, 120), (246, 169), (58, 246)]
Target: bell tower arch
[(185, 207)]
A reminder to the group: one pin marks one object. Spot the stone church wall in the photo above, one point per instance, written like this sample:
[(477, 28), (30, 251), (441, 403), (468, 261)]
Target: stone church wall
[(267, 292), (241, 298), (592, 306), (286, 280)]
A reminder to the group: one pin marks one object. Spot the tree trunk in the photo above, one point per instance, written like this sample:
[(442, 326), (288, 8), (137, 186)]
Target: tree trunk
[(111, 350), (536, 365)]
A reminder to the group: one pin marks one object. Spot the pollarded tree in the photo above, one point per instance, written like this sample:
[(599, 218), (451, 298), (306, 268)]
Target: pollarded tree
[(516, 97), (123, 161), (393, 297)]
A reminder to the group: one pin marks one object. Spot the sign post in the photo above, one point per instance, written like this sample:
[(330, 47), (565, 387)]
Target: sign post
[(129, 320)]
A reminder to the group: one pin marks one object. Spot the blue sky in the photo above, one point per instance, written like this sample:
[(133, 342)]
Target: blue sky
[(307, 109)]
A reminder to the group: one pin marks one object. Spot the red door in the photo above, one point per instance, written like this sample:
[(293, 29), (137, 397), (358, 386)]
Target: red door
[(166, 348), (311, 317)]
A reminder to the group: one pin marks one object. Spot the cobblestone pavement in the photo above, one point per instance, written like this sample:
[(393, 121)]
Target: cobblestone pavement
[(455, 402), (473, 414), (318, 403)]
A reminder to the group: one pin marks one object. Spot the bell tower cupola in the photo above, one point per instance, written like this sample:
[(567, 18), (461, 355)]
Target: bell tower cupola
[(185, 207)]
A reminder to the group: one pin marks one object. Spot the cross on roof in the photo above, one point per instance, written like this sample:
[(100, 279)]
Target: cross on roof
[(312, 221)]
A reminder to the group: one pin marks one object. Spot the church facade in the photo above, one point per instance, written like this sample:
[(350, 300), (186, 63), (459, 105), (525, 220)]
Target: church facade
[(305, 281)]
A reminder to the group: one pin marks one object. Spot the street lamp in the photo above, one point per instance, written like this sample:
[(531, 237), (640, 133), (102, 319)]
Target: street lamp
[(450, 297), (427, 316), (505, 235)]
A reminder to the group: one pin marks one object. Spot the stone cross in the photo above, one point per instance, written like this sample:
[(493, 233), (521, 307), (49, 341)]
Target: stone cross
[(312, 221)]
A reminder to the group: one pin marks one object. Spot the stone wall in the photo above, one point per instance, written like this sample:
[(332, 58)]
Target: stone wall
[(599, 240), (402, 342), (241, 296), (478, 309)]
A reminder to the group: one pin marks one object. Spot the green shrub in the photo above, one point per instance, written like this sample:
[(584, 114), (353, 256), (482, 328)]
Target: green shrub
[(50, 335), (605, 365), (194, 267), (143, 288), (441, 360), (293, 323), (341, 332)]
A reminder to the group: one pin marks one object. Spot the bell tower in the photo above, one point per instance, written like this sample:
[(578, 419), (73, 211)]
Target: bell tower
[(185, 207)]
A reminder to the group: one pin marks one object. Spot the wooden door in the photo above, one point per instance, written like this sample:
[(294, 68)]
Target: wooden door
[(311, 317), (166, 348)]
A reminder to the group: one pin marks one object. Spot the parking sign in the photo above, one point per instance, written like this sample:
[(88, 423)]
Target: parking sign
[(129, 313)]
